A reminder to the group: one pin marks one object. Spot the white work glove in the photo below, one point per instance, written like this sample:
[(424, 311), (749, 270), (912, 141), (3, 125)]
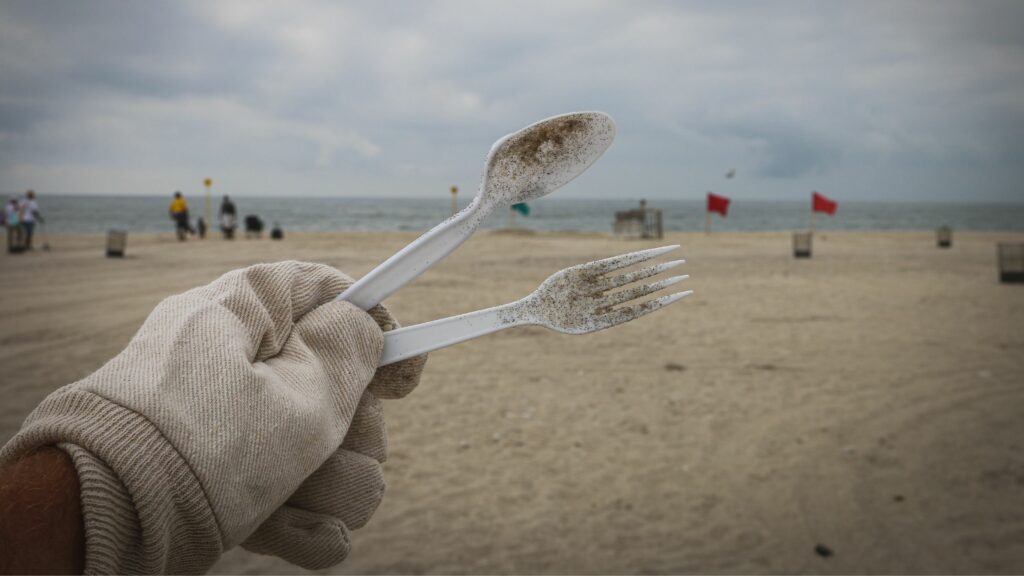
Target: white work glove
[(311, 529), (224, 403)]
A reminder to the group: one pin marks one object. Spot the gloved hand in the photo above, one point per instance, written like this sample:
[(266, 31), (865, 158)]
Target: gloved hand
[(227, 399), (312, 529)]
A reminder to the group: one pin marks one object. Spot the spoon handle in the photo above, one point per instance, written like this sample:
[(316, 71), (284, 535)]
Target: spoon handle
[(409, 262)]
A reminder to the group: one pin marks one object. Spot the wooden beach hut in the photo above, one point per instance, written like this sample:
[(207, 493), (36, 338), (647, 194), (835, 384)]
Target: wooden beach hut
[(644, 223)]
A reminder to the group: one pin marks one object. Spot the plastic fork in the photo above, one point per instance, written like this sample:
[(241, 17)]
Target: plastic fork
[(577, 300)]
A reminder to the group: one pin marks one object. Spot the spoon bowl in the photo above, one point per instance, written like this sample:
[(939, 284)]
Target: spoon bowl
[(544, 156), (521, 166)]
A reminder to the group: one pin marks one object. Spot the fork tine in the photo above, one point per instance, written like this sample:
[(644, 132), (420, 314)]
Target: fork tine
[(622, 315), (640, 291), (631, 277), (615, 262)]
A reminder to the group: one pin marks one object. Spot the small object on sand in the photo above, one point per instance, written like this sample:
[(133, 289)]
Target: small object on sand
[(673, 367), (1011, 263), (802, 244), (822, 550), (898, 498), (253, 226), (116, 241), (276, 233), (944, 236)]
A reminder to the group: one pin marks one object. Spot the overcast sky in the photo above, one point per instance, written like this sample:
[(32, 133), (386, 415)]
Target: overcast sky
[(862, 101)]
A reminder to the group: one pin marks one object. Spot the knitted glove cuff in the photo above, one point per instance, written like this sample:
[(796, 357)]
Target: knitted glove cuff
[(122, 458)]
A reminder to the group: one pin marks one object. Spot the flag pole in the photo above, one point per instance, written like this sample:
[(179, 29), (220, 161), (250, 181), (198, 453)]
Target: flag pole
[(707, 222), (812, 219)]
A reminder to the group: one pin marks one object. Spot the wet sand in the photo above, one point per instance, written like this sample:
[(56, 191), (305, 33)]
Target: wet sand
[(869, 400)]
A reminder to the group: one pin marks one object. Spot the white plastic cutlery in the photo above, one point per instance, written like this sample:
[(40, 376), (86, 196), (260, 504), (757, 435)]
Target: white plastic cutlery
[(522, 166), (577, 300)]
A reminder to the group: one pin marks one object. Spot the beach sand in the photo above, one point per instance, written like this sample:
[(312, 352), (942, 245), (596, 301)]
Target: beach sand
[(869, 400)]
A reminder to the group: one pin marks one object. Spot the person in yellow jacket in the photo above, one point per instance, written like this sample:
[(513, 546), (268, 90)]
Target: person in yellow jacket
[(179, 213)]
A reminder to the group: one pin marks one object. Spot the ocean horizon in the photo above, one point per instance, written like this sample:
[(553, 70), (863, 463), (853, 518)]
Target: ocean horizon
[(95, 214)]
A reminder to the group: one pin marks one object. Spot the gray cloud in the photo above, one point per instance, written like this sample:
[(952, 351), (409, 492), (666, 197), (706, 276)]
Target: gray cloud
[(367, 98)]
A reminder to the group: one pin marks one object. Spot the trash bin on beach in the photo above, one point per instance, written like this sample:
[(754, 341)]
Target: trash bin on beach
[(944, 236), (116, 240), (15, 240), (802, 244), (1011, 262)]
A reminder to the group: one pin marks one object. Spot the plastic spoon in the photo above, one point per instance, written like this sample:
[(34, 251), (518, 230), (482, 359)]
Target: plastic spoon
[(522, 166)]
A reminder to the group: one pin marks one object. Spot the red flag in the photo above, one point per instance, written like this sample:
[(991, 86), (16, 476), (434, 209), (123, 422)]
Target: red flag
[(718, 204), (820, 203)]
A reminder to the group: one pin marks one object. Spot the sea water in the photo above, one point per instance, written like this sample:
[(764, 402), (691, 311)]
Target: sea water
[(93, 214)]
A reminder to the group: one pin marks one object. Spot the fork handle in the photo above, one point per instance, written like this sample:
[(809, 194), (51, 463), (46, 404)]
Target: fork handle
[(410, 341)]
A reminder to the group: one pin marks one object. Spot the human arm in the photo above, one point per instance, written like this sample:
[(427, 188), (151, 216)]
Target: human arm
[(41, 530), (227, 399)]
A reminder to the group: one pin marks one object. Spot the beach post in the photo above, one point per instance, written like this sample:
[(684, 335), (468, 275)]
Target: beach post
[(455, 201), (802, 244), (116, 241), (206, 208), (944, 236), (1011, 262)]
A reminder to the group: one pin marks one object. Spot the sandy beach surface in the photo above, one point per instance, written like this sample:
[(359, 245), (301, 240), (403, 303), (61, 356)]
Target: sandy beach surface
[(868, 401)]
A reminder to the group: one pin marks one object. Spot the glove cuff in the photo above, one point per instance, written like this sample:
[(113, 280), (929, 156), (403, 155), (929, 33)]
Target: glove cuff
[(144, 510)]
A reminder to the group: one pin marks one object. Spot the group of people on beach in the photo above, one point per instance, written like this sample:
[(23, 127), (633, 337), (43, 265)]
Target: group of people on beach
[(227, 215), (178, 211), (20, 217)]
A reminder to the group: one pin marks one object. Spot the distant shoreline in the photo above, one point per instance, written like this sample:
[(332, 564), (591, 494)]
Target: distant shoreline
[(325, 234), (467, 195), (97, 214)]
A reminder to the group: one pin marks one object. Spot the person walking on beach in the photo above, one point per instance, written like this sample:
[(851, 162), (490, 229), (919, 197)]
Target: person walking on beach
[(179, 213), (12, 220), (228, 216), (29, 216), (247, 412)]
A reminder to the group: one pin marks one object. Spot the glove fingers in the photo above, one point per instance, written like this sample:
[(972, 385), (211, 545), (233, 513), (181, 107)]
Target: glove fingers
[(349, 486), (368, 434), (307, 539), (269, 298), (394, 380), (398, 380), (332, 350)]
